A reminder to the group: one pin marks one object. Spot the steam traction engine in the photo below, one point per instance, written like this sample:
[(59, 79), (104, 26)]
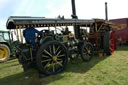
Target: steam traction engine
[(50, 54), (52, 48)]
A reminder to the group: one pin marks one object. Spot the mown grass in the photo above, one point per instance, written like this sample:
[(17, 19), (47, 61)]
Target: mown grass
[(106, 70)]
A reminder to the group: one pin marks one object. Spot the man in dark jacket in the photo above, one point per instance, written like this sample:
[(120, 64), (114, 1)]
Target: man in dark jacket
[(29, 34)]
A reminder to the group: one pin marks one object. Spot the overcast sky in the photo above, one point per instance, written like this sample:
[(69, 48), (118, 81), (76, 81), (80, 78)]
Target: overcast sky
[(86, 9)]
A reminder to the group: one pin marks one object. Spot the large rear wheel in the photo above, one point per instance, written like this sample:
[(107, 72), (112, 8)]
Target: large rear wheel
[(4, 52), (109, 43), (51, 58)]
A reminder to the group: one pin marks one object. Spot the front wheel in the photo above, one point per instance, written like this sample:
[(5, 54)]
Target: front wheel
[(4, 52), (51, 58), (87, 52)]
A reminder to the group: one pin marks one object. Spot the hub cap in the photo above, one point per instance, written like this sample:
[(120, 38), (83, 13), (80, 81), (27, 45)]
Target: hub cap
[(3, 53)]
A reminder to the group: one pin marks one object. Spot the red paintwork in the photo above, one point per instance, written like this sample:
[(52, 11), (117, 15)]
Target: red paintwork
[(123, 33), (111, 47)]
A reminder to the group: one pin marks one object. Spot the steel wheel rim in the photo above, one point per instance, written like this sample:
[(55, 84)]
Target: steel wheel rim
[(3, 53), (111, 41), (53, 58)]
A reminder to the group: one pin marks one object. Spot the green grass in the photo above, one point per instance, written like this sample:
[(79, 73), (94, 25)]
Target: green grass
[(112, 70)]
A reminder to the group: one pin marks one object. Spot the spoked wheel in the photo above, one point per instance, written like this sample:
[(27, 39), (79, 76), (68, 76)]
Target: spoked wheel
[(109, 43), (4, 52), (51, 58), (87, 52)]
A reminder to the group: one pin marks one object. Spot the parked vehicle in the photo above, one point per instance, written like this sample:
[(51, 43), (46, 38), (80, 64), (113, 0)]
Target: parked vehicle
[(121, 30), (51, 50), (6, 49)]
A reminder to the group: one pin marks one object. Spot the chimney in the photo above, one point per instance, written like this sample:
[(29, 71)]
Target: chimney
[(73, 10), (106, 11)]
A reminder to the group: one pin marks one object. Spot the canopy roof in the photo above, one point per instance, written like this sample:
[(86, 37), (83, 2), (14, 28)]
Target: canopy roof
[(14, 22)]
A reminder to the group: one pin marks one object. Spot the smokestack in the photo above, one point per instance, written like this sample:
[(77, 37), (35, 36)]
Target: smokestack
[(73, 10), (106, 11)]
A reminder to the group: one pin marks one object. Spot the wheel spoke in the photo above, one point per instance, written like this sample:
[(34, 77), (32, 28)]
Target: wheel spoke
[(57, 49), (50, 49), (59, 52), (54, 49), (46, 60), (59, 59), (59, 63), (85, 48), (45, 56), (61, 55), (48, 68), (89, 47), (48, 53), (85, 51), (53, 67), (47, 65)]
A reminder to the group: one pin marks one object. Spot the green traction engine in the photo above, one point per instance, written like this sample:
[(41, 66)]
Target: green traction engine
[(54, 46)]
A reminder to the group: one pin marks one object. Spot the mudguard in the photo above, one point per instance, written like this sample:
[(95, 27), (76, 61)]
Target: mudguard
[(46, 39)]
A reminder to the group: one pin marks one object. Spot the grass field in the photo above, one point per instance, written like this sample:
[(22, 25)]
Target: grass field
[(112, 70)]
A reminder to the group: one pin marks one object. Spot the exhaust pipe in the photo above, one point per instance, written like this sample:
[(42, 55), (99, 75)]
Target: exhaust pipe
[(106, 11), (74, 16)]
